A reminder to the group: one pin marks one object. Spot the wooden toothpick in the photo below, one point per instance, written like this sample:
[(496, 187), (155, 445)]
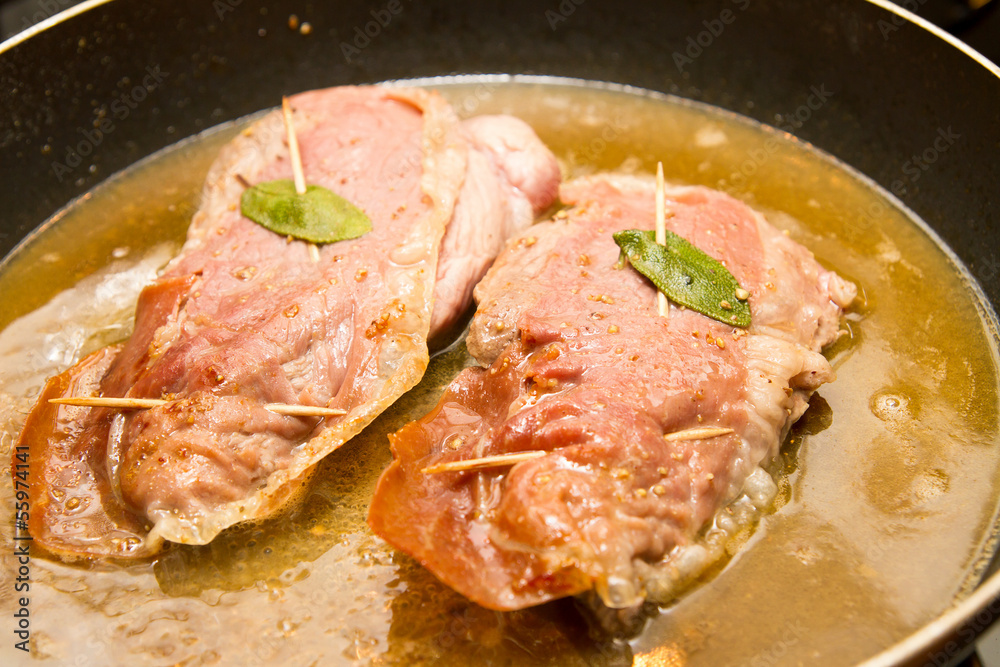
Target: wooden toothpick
[(293, 148), (298, 175), (145, 403), (661, 234), (303, 410), (510, 459), (102, 402), (698, 433), (485, 462)]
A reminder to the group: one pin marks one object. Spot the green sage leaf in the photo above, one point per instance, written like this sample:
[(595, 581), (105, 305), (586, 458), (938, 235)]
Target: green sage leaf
[(319, 216), (686, 275)]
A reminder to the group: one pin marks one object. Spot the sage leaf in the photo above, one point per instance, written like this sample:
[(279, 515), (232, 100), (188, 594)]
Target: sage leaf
[(686, 275), (318, 215)]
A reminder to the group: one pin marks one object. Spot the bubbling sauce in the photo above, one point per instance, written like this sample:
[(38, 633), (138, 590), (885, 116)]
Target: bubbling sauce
[(888, 486)]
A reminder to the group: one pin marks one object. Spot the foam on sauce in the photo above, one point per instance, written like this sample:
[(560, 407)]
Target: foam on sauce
[(887, 488)]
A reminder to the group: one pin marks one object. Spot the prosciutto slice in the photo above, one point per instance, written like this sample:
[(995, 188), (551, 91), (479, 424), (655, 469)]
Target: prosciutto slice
[(578, 364), (244, 317)]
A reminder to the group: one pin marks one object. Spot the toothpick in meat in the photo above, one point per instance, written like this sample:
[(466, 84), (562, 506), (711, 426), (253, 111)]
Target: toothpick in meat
[(293, 148), (102, 402), (145, 403), (296, 158), (698, 433), (486, 462), (661, 234)]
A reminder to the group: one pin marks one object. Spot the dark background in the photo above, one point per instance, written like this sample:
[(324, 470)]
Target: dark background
[(976, 22)]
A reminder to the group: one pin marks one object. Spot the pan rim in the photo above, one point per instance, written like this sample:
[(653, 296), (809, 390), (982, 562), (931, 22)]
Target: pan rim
[(907, 15), (45, 24)]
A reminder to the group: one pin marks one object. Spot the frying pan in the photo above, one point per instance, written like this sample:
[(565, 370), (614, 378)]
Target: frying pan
[(894, 80)]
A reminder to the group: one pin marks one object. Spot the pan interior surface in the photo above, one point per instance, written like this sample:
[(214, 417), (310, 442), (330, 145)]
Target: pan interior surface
[(891, 477)]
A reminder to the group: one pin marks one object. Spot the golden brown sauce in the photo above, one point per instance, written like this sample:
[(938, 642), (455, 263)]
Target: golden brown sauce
[(889, 484)]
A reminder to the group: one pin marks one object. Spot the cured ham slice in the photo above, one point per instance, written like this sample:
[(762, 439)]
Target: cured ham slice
[(650, 425), (244, 317)]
